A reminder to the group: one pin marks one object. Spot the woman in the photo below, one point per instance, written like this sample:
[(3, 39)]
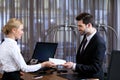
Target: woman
[(10, 56)]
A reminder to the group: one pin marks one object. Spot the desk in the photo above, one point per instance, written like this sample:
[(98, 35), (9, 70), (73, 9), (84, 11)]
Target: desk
[(46, 77), (29, 76)]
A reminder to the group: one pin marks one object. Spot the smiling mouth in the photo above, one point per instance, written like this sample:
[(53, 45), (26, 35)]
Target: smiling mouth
[(80, 31)]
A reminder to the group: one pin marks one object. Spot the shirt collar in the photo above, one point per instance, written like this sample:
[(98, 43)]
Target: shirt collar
[(10, 40), (91, 35)]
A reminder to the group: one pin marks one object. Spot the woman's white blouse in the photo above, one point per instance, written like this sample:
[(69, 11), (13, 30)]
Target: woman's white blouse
[(11, 58)]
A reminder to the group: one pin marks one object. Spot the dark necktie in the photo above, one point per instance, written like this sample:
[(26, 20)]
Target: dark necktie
[(83, 43)]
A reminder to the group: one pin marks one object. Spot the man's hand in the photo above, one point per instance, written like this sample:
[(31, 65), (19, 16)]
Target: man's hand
[(68, 65)]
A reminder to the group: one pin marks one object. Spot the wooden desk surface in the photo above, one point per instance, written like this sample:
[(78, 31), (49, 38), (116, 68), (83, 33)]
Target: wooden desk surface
[(29, 76)]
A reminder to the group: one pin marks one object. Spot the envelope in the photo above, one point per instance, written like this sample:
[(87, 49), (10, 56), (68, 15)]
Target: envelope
[(57, 61)]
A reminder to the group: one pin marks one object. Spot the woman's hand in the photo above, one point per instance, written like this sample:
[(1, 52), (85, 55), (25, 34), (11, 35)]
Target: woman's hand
[(48, 64), (21, 73)]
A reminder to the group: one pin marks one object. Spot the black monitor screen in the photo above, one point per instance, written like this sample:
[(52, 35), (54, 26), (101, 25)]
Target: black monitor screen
[(44, 50)]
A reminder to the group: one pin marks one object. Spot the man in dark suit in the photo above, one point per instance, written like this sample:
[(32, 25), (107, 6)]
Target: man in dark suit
[(90, 54)]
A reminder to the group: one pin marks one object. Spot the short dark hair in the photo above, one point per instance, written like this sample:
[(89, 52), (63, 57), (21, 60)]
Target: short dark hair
[(86, 17)]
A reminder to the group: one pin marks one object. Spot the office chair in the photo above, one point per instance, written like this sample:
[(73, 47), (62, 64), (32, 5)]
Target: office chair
[(114, 66)]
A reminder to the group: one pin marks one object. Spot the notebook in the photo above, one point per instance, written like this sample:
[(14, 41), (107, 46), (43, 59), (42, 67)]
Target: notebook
[(43, 51)]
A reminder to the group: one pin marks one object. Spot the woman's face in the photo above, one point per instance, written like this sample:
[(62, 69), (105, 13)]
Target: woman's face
[(18, 32)]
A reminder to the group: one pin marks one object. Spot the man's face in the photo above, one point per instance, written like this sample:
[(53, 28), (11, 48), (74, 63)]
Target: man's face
[(82, 27)]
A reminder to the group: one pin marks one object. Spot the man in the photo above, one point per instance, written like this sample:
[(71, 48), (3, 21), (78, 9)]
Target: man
[(90, 55)]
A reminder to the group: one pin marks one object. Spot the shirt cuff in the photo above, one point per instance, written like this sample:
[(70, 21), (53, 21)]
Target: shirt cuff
[(74, 65)]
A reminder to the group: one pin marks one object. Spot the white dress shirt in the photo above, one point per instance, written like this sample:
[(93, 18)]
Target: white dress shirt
[(11, 58)]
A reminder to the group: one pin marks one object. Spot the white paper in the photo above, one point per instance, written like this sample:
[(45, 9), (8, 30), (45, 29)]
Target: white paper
[(57, 61)]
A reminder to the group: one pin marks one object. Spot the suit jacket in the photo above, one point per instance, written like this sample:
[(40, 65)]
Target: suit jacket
[(89, 63)]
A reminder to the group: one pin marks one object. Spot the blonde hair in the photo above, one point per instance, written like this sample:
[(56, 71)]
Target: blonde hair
[(12, 23)]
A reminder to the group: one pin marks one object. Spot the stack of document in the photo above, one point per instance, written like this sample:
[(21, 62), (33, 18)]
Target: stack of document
[(57, 61)]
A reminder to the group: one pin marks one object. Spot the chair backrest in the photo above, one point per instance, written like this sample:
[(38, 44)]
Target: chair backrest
[(114, 66)]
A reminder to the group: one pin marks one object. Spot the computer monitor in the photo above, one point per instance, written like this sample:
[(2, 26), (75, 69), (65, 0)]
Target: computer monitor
[(44, 50)]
